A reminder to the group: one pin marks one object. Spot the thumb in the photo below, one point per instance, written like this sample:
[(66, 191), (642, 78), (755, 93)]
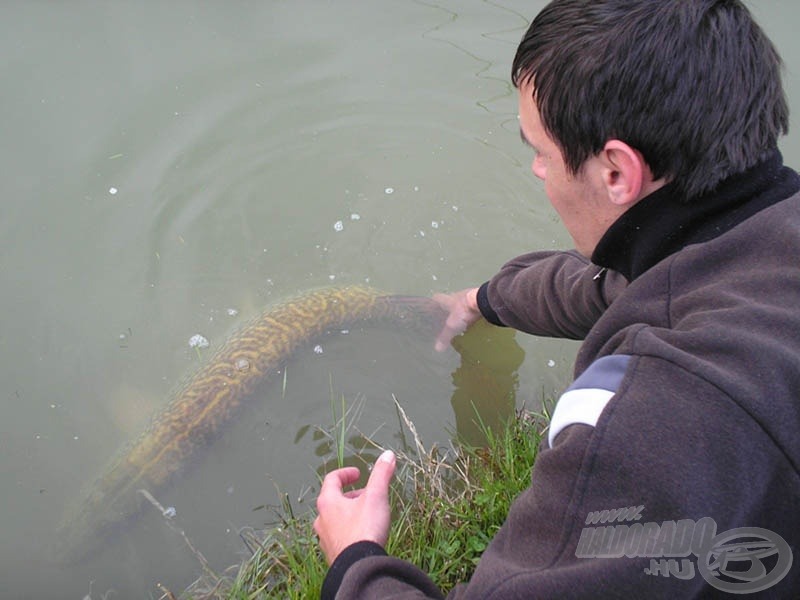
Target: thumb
[(381, 475)]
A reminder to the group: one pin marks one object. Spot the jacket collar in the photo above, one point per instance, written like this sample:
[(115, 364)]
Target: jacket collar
[(664, 222)]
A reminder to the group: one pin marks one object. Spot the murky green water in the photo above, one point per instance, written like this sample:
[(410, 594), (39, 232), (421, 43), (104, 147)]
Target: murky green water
[(170, 169)]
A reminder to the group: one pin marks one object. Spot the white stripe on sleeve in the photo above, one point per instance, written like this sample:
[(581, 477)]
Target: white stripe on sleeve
[(582, 405)]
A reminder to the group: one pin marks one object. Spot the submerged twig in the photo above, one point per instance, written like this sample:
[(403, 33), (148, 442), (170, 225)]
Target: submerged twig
[(165, 593), (169, 514)]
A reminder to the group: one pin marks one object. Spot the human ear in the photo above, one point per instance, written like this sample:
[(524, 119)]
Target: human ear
[(624, 173)]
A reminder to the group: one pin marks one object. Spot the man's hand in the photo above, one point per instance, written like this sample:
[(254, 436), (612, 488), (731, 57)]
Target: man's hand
[(462, 311), (348, 517)]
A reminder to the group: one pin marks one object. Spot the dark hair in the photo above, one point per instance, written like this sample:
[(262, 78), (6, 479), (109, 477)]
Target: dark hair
[(694, 85)]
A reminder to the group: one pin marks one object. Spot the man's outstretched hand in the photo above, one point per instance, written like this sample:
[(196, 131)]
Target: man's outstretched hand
[(462, 311), (359, 515)]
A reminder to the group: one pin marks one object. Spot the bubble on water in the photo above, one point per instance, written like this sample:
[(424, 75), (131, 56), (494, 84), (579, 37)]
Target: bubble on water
[(338, 226), (242, 364), (551, 363), (232, 312), (435, 224), (317, 349), (388, 190), (198, 341), (170, 512), (355, 217), (331, 277), (112, 190), (455, 208)]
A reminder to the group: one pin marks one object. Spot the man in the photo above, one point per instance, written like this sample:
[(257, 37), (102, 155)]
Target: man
[(672, 466)]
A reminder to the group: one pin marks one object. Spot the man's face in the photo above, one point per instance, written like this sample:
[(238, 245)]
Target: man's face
[(581, 201)]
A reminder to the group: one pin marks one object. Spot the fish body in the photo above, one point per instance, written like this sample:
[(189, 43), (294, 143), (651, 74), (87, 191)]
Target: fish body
[(211, 397)]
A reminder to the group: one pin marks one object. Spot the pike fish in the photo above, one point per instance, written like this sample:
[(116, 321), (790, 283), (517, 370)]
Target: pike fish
[(195, 415)]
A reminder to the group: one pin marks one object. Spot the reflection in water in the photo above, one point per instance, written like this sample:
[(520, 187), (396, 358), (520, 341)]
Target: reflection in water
[(484, 398), (486, 381)]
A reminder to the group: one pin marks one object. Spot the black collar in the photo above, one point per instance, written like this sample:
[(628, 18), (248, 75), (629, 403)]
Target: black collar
[(664, 222)]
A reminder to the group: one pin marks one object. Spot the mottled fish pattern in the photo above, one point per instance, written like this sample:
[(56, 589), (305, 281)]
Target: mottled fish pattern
[(211, 397)]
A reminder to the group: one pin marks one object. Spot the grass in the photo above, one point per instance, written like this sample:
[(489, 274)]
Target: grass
[(447, 506), (339, 429)]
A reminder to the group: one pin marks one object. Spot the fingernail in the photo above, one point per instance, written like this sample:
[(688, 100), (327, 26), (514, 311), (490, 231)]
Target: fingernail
[(387, 456)]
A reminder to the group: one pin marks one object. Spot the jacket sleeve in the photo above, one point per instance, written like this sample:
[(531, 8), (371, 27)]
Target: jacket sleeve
[(612, 513), (555, 294)]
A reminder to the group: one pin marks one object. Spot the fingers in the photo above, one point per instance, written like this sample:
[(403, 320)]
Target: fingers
[(463, 311), (381, 475), (331, 489), (355, 515), (444, 300), (452, 327), (336, 480), (443, 341), (377, 485), (449, 330), (379, 479)]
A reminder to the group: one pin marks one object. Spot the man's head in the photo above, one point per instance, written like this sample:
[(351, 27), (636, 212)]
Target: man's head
[(693, 85), (588, 202)]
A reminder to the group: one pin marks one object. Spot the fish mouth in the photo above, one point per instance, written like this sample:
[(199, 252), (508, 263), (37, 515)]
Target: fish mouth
[(417, 312)]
